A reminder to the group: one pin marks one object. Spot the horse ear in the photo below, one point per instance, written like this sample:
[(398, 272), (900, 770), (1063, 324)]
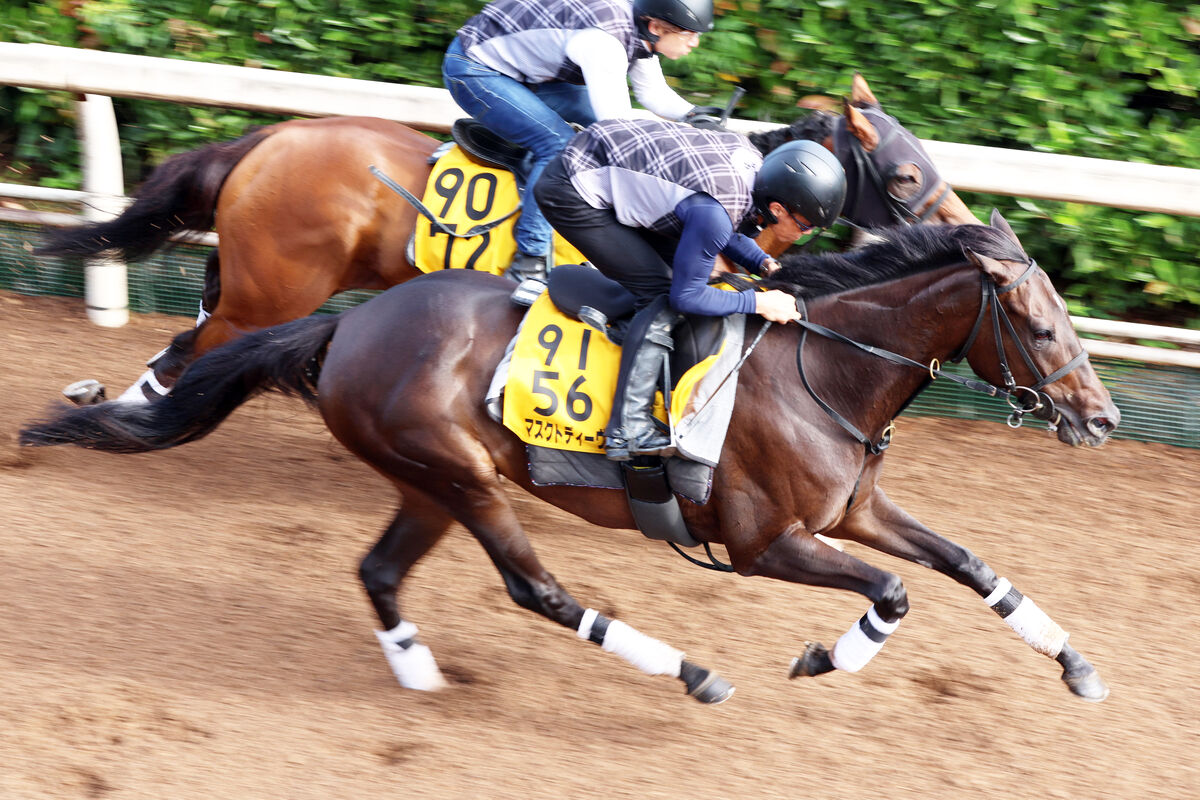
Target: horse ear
[(1002, 272), (861, 94), (860, 126), (1000, 223)]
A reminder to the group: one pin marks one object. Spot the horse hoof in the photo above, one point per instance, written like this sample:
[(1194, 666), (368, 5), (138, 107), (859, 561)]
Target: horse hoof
[(712, 690), (814, 661), (85, 393), (1089, 686)]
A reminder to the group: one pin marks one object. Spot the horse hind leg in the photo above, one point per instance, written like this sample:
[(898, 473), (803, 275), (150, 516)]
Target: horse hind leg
[(798, 557), (487, 513), (151, 385), (163, 369), (416, 528), (167, 364)]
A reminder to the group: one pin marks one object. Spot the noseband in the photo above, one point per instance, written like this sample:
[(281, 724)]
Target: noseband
[(896, 146), (1021, 399)]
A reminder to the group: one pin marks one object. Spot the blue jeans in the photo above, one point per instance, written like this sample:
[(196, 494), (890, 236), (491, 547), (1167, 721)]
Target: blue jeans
[(533, 115)]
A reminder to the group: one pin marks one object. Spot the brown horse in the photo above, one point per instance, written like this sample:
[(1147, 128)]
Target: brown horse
[(795, 461), (300, 218)]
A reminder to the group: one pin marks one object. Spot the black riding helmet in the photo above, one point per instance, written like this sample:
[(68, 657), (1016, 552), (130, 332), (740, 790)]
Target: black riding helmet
[(691, 15), (805, 178)]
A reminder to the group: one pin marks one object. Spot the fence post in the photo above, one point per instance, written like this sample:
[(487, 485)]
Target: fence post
[(106, 286)]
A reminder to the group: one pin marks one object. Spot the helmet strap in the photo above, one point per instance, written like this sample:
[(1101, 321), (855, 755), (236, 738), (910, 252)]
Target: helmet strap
[(643, 26), (768, 218)]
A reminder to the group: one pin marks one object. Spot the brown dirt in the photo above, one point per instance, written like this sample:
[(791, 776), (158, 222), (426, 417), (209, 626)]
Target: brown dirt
[(188, 624)]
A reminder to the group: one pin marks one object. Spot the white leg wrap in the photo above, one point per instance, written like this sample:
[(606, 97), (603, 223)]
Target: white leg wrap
[(134, 393), (585, 624), (412, 662), (860, 644), (203, 315), (1030, 622), (150, 362), (647, 654)]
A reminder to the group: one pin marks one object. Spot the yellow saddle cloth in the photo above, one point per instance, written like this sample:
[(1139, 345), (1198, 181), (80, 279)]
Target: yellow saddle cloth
[(463, 195), (561, 375)]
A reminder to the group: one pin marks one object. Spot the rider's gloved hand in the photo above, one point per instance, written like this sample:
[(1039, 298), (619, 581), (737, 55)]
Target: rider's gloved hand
[(708, 117), (776, 306)]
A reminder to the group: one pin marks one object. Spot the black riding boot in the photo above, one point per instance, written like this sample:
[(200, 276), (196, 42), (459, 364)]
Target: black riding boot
[(632, 429), (525, 266)]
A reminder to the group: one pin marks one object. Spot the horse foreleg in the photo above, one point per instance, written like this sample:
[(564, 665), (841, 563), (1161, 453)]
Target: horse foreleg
[(884, 526), (417, 527), (796, 556)]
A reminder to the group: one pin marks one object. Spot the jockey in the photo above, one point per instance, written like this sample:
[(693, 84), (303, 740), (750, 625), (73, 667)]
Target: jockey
[(651, 203), (528, 68)]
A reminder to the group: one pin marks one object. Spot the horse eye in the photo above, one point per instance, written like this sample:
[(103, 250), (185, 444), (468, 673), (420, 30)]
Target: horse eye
[(904, 182), (1043, 335)]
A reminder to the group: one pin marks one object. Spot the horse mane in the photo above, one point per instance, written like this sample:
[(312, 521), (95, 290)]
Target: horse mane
[(901, 251), (816, 127)]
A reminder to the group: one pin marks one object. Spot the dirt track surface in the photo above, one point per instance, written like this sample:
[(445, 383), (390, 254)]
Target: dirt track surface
[(189, 624)]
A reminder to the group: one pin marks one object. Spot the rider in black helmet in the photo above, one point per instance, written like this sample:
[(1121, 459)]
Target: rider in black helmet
[(688, 15), (804, 178), (651, 204), (528, 68)]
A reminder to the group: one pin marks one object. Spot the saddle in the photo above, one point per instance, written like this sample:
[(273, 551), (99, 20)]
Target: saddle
[(585, 294), (582, 293), (488, 148), (473, 185)]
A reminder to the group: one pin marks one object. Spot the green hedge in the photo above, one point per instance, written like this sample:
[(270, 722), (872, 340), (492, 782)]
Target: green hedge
[(1107, 80)]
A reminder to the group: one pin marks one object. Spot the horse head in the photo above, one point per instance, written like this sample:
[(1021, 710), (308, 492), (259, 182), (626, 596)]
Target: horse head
[(892, 178), (1023, 340)]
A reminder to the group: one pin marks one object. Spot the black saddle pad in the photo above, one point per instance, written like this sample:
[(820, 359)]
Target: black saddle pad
[(573, 286)]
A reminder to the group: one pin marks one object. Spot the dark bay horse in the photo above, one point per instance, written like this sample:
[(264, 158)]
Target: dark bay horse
[(788, 471), (300, 218)]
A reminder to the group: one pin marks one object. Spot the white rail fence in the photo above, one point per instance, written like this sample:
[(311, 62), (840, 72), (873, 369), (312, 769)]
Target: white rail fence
[(99, 76)]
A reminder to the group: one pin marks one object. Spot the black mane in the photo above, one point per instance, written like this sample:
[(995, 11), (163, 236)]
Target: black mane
[(815, 127), (902, 251)]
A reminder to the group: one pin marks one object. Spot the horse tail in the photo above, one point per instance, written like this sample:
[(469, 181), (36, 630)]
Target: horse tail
[(286, 358), (180, 195)]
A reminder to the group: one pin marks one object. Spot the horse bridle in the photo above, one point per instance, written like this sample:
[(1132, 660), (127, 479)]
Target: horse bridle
[(867, 166), (1022, 400), (1035, 402)]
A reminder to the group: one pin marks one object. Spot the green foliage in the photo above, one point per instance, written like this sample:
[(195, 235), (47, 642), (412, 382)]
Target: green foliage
[(1101, 79), (1105, 80)]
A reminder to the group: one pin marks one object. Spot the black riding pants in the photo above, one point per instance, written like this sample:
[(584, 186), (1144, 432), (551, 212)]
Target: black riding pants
[(637, 259)]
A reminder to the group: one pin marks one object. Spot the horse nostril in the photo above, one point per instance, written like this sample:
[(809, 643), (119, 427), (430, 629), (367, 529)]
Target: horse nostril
[(1101, 425)]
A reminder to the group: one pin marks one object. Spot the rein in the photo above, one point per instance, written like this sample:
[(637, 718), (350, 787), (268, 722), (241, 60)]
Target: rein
[(1022, 400)]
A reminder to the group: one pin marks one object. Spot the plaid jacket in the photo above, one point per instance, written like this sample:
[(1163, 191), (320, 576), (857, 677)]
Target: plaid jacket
[(526, 39), (642, 169)]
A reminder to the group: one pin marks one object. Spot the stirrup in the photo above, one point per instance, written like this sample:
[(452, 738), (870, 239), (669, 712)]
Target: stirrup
[(617, 450), (527, 291), (621, 449)]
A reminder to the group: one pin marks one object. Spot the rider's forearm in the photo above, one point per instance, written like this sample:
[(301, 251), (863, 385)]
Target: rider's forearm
[(602, 60), (652, 91)]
